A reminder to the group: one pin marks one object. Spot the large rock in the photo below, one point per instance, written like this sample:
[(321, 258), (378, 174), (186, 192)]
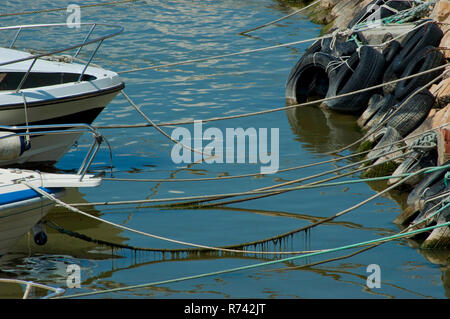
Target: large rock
[(441, 117), (344, 11), (441, 11), (435, 119), (445, 43), (336, 13), (442, 93)]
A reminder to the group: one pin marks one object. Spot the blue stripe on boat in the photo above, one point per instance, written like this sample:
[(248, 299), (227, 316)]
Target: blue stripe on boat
[(18, 196)]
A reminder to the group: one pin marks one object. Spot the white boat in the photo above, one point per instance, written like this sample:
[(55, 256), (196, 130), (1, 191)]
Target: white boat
[(21, 205), (41, 89)]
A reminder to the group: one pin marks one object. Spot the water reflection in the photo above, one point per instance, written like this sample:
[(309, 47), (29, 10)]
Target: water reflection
[(61, 244), (321, 130)]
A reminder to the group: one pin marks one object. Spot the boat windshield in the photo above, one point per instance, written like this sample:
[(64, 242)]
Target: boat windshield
[(11, 80)]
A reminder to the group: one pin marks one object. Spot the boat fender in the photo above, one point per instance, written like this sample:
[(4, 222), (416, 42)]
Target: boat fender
[(309, 78), (427, 59), (39, 234), (391, 50), (413, 113), (13, 146), (429, 34), (363, 69)]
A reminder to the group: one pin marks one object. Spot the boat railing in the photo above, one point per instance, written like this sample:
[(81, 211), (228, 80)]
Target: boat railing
[(86, 41), (55, 129), (30, 284)]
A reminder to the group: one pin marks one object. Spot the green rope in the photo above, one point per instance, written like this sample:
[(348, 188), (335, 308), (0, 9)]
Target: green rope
[(401, 17), (436, 212), (365, 243), (446, 178), (354, 37)]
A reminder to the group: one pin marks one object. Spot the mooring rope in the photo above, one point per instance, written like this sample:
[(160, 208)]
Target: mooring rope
[(263, 264), (276, 190), (226, 177), (195, 204), (222, 249), (374, 130), (205, 247), (372, 88), (65, 8), (235, 246), (345, 32), (184, 204), (387, 118), (202, 198), (374, 243), (216, 57), (281, 19), (410, 227), (162, 131)]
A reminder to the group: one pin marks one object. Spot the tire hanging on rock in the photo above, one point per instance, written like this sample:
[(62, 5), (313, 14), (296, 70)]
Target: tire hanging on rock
[(426, 59), (309, 78), (339, 48), (426, 35), (371, 110), (423, 153), (362, 70), (391, 50), (389, 76), (411, 114), (379, 110), (431, 184)]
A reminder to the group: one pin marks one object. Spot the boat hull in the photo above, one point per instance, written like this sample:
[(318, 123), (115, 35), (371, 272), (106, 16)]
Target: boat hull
[(17, 218), (21, 203), (48, 99), (51, 148)]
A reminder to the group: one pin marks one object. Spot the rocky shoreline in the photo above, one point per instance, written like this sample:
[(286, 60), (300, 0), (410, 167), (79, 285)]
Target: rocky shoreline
[(339, 14)]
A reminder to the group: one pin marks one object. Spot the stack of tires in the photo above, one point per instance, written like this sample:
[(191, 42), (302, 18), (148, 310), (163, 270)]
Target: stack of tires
[(417, 53), (403, 106), (338, 66), (332, 67)]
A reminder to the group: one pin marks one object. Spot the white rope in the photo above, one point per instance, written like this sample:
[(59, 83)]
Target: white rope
[(76, 210), (280, 108), (161, 131), (271, 190), (216, 57), (28, 138), (337, 64), (280, 19), (409, 137)]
